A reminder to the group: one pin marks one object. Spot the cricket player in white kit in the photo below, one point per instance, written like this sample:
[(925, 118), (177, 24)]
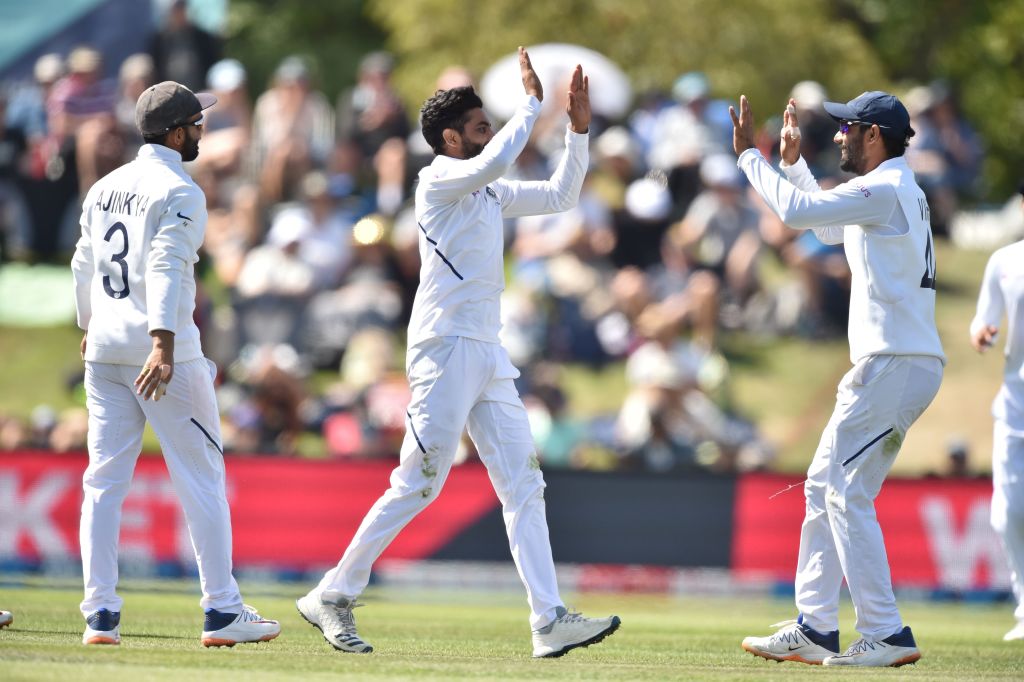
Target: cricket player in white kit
[(142, 226), (1002, 292), (458, 371), (881, 218)]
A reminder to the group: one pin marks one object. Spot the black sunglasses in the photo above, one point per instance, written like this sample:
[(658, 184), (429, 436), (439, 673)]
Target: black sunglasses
[(198, 123), (844, 126)]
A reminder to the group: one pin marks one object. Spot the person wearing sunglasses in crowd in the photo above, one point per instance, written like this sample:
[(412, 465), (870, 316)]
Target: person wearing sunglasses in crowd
[(881, 217)]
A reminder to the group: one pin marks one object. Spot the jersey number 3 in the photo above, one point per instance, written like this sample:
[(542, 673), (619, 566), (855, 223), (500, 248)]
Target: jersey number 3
[(119, 259)]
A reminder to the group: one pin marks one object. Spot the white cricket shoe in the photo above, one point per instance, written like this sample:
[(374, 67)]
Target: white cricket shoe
[(331, 613), (569, 631), (102, 627), (794, 642), (6, 618), (1013, 635), (891, 652), (229, 629)]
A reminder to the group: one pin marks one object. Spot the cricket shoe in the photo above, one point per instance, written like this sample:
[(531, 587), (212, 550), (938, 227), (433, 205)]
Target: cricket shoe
[(229, 629), (794, 642), (571, 630), (331, 613), (891, 652), (102, 627), (1017, 633), (6, 618)]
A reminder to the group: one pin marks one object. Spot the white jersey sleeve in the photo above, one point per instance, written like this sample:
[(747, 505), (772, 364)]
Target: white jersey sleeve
[(179, 235), (851, 203), (559, 193), (460, 177), (991, 305), (800, 175), (82, 268)]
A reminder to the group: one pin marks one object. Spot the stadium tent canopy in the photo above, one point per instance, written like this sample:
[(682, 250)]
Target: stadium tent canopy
[(610, 95), (32, 28)]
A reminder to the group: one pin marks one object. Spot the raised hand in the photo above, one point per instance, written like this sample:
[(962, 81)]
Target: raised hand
[(742, 127), (789, 144), (578, 104), (531, 81)]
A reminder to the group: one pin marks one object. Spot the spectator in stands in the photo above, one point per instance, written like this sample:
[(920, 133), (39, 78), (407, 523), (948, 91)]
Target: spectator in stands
[(946, 158), (136, 74), (228, 127), (684, 133), (13, 211), (27, 109), (372, 113), (181, 50), (293, 130), (720, 230), (323, 235)]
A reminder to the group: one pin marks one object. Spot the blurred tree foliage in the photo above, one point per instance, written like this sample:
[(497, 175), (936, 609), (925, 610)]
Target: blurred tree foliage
[(332, 35), (757, 47), (977, 47)]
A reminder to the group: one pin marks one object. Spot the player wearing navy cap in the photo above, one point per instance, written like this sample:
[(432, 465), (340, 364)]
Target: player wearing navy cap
[(881, 218)]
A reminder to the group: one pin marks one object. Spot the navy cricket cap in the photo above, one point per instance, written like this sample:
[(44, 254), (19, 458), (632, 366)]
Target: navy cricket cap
[(168, 105), (880, 108)]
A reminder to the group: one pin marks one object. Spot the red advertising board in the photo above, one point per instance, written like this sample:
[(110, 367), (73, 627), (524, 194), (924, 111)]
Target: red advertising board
[(937, 531), (285, 513)]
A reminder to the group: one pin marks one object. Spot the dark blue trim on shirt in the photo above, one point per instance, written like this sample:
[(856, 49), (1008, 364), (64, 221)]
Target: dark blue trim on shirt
[(207, 434), (438, 252), (412, 428), (877, 438)]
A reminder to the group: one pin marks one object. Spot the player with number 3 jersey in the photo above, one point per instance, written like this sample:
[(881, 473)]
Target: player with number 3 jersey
[(142, 226), (881, 218)]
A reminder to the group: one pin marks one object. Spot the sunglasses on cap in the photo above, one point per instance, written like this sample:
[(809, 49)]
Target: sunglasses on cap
[(844, 126), (198, 123)]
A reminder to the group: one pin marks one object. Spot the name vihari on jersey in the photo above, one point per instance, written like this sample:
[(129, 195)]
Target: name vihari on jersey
[(124, 203)]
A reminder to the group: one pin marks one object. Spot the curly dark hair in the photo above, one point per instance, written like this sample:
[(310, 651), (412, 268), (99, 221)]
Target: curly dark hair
[(447, 109)]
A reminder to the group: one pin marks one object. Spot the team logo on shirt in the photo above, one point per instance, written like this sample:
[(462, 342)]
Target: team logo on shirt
[(491, 193)]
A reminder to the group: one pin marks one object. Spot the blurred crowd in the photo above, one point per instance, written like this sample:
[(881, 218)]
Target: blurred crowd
[(311, 255)]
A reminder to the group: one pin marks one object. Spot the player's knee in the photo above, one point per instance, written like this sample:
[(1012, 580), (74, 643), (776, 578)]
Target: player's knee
[(530, 490)]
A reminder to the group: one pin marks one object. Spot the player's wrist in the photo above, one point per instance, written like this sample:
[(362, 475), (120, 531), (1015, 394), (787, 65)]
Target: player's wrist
[(162, 338)]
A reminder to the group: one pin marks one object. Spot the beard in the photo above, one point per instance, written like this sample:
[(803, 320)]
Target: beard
[(470, 149), (850, 155), (190, 152)]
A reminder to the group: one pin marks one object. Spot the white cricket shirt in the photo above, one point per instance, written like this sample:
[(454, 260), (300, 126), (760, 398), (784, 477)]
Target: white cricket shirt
[(1002, 291), (460, 204), (142, 226), (882, 220)]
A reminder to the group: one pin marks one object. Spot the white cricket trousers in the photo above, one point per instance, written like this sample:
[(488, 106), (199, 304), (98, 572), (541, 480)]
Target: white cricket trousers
[(877, 401), (1008, 504), (188, 425), (455, 380)]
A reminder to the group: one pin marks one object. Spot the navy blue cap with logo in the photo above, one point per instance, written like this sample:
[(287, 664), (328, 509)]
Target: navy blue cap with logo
[(874, 107)]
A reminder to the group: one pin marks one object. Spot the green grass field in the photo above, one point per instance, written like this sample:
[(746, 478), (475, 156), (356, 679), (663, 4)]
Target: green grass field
[(469, 635)]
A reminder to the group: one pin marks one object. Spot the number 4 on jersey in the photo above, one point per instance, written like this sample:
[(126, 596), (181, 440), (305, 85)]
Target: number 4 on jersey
[(928, 278)]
